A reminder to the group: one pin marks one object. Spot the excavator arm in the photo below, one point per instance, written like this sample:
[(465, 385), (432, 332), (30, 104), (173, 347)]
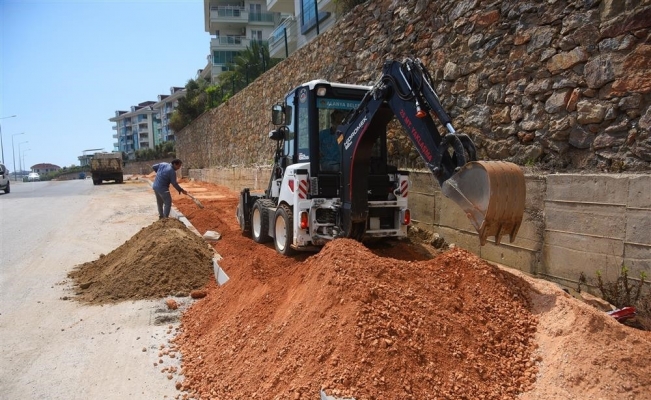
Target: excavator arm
[(491, 193)]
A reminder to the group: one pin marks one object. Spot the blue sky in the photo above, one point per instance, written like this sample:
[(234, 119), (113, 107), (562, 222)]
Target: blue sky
[(67, 66)]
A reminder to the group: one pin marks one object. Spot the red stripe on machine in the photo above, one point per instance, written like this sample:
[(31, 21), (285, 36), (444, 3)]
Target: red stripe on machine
[(302, 189)]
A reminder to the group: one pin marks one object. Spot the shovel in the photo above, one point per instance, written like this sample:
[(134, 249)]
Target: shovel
[(196, 201)]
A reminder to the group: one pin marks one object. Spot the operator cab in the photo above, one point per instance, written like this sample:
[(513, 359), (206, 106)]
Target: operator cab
[(310, 123)]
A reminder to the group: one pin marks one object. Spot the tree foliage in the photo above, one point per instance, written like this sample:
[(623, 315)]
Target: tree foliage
[(163, 150), (247, 66), (201, 95)]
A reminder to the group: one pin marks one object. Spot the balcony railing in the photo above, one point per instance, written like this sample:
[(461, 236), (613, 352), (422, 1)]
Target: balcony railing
[(230, 41), (277, 38), (229, 14), (261, 17)]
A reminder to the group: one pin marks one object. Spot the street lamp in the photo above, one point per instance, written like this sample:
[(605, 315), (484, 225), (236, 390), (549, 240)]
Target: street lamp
[(13, 152), (24, 151), (20, 165), (2, 148)]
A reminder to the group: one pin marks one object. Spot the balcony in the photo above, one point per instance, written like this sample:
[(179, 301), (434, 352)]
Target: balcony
[(277, 38), (228, 15), (261, 18), (231, 43), (281, 6)]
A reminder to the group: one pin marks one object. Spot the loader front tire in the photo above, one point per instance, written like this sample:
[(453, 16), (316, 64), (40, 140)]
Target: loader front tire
[(284, 230), (260, 220), (243, 220)]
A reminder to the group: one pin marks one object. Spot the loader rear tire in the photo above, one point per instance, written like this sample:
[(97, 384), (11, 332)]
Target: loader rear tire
[(284, 230), (260, 220)]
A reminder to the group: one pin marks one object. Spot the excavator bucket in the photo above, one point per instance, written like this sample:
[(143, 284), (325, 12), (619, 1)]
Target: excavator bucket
[(492, 195)]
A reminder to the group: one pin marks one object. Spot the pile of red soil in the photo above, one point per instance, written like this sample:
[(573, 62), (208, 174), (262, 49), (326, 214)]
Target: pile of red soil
[(399, 321), (362, 326), (163, 259)]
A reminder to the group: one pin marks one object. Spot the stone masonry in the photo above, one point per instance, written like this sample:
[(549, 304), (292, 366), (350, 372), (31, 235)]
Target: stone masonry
[(563, 85)]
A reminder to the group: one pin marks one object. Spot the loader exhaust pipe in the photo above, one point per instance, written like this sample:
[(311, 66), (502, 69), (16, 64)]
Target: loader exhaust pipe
[(492, 194)]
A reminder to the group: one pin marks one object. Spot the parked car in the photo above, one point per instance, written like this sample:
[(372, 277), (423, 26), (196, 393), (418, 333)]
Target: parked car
[(4, 179), (33, 176)]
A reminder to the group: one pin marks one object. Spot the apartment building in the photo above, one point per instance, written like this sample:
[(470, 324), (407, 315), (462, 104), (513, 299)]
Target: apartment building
[(165, 106), (299, 24), (233, 25), (136, 129)]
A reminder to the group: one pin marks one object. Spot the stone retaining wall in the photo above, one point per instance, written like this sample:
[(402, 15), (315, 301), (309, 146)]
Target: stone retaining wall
[(560, 84)]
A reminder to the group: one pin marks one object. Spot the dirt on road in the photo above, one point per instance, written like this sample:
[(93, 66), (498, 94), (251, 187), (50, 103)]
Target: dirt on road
[(400, 320)]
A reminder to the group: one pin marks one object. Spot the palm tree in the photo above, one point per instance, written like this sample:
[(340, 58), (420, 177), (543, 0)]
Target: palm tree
[(247, 66)]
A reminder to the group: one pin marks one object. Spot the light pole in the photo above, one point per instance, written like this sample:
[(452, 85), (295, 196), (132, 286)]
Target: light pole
[(24, 151), (20, 165), (13, 152), (2, 148)]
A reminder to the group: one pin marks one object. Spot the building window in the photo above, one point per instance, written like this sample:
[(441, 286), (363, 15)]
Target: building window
[(255, 9), (223, 57), (256, 35), (308, 11), (308, 15)]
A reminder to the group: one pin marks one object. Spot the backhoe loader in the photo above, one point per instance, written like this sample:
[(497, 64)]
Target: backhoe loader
[(331, 179)]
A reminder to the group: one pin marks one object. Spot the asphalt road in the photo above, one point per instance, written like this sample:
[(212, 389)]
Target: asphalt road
[(52, 348)]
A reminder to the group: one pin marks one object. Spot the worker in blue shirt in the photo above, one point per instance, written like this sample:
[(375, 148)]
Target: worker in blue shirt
[(329, 154), (166, 176)]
